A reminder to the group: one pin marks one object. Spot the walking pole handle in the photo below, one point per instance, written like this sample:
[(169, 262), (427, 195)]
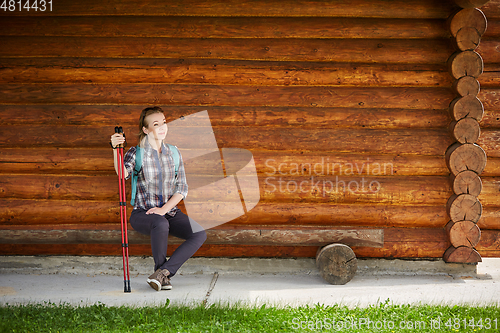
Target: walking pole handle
[(119, 129)]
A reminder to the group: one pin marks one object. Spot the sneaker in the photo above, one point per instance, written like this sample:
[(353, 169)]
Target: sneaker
[(166, 285), (158, 279)]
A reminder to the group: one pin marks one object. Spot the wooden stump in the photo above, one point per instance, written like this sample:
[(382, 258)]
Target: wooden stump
[(464, 207), (463, 233), (467, 63), (461, 157), (471, 3), (467, 85), (466, 130), (467, 182), (462, 254), (467, 106), (337, 263), (467, 26)]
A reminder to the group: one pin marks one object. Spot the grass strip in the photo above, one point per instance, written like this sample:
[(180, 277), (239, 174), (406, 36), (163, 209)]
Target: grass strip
[(383, 317)]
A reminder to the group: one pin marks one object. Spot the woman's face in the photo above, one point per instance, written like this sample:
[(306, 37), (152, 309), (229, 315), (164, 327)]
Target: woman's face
[(157, 126)]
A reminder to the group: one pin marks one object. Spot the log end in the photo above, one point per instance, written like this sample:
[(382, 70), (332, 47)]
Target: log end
[(461, 255), (337, 263)]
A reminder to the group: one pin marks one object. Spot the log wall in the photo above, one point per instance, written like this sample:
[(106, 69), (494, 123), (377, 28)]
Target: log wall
[(350, 99)]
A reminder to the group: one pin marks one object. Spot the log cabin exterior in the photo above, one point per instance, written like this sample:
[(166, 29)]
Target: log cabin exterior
[(365, 103)]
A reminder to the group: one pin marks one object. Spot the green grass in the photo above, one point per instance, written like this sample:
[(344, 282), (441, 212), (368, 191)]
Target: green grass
[(237, 318)]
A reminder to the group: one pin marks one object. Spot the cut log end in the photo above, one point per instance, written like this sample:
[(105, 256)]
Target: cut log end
[(337, 263), (468, 18), (462, 157), (466, 130), (466, 63), (463, 233), (466, 85), (467, 107), (461, 255), (464, 207), (467, 182)]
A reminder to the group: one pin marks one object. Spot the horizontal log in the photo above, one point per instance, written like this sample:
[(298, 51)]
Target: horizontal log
[(41, 212), (206, 95), (471, 3), (85, 160), (213, 71), (490, 98), (419, 51), (331, 189), (432, 141), (110, 115), (489, 77), (428, 9), (488, 49), (397, 244), (327, 189), (490, 142), (254, 235), (303, 117), (493, 30), (490, 185), (95, 161), (492, 9), (222, 27)]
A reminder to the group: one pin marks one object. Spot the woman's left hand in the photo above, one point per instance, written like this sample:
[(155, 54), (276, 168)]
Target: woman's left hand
[(157, 210)]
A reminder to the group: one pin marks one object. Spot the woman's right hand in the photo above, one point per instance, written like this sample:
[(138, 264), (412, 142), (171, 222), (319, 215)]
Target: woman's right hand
[(117, 139)]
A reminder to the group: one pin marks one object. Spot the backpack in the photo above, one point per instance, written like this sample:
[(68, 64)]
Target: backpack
[(138, 167)]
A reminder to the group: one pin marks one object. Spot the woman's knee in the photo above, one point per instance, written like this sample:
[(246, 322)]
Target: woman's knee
[(201, 236)]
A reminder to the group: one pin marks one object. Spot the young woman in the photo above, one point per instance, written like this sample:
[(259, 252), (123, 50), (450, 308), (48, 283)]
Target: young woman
[(159, 190)]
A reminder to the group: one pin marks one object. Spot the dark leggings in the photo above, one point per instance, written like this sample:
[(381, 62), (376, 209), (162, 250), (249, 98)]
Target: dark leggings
[(159, 227)]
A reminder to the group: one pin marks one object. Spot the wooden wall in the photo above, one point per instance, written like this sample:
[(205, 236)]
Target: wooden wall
[(347, 86)]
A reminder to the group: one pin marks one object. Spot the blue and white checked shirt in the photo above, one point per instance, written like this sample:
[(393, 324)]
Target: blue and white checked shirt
[(156, 182)]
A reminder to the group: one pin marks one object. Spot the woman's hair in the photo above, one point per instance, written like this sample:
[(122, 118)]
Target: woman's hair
[(142, 120)]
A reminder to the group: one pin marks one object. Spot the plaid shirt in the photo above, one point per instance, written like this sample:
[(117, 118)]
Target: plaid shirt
[(156, 180)]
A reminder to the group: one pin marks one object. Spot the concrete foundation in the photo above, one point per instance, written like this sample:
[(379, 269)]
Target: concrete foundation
[(112, 265)]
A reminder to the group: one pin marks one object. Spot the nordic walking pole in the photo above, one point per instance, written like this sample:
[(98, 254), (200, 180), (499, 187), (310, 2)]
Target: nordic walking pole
[(123, 214)]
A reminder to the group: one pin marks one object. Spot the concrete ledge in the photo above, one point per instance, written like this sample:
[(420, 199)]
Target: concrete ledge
[(112, 265)]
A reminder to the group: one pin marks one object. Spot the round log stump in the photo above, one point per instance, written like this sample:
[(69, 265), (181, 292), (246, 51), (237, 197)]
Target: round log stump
[(468, 18), (467, 106), (466, 63), (463, 233), (337, 263), (467, 182), (464, 207), (461, 157), (462, 255), (466, 85), (466, 130)]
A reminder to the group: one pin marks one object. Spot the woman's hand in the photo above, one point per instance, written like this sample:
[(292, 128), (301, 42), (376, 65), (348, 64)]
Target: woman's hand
[(117, 139), (157, 210)]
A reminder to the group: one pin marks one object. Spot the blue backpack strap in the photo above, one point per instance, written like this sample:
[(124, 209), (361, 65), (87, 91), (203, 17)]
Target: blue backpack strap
[(175, 156), (138, 166)]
